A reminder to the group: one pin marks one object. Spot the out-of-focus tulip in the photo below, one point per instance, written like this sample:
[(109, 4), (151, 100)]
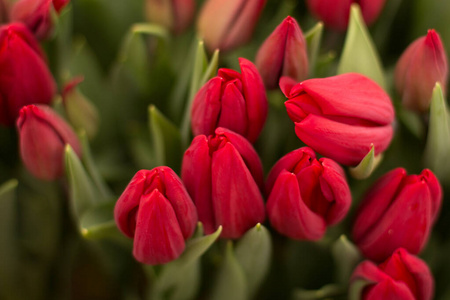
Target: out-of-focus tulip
[(401, 277), (398, 211), (228, 24), (306, 195), (25, 78), (37, 15), (335, 13), (283, 53), (156, 210), (422, 64), (223, 174), (42, 138), (233, 100), (175, 15), (341, 116)]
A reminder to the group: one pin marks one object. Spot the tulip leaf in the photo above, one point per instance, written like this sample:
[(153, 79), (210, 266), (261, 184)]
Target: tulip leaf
[(356, 289), (412, 121), (330, 291), (60, 46), (253, 252), (346, 257), (313, 38), (367, 165), (437, 148), (166, 139), (359, 54), (231, 282)]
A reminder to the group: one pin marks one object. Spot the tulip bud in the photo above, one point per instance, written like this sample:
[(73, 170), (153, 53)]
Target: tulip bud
[(175, 15), (306, 195), (28, 79), (341, 116), (226, 25), (223, 174), (156, 210), (231, 100), (401, 276), (398, 211), (422, 64), (335, 13), (42, 137), (37, 15), (283, 53)]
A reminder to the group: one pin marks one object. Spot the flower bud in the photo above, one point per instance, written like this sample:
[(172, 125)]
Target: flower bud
[(175, 15), (231, 100), (223, 174), (42, 138), (37, 15), (398, 211), (283, 53), (226, 25), (401, 276), (422, 64), (306, 195), (28, 79), (335, 13), (340, 117), (156, 210)]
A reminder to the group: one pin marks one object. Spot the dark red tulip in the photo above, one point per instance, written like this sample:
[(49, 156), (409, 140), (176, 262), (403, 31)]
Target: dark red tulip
[(175, 15)]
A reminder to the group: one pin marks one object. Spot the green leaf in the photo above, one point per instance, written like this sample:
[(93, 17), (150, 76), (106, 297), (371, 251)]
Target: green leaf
[(438, 142), (231, 282), (330, 291), (356, 288), (346, 257), (367, 165), (412, 122), (313, 38), (254, 252), (359, 54)]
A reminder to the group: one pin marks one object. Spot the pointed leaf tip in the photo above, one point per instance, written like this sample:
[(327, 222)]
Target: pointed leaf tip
[(367, 165)]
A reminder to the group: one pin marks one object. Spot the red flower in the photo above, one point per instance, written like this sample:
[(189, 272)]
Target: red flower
[(175, 15)]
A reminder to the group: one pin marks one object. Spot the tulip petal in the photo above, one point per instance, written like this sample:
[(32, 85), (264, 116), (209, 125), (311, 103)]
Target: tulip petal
[(206, 107), (233, 114), (435, 192), (286, 85), (388, 290), (295, 63)]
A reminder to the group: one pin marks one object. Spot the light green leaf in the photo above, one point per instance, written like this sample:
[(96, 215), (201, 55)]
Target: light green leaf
[(412, 121), (367, 165), (359, 54), (60, 46), (313, 38), (346, 257), (330, 291)]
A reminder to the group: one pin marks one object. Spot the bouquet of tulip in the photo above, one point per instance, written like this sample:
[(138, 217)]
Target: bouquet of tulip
[(235, 150)]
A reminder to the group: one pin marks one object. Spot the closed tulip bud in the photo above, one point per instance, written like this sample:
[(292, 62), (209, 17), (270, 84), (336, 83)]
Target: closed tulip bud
[(223, 174), (398, 211), (233, 100), (28, 79), (283, 53), (42, 138), (37, 15), (157, 212), (175, 15), (401, 277), (340, 117), (335, 13), (306, 195), (226, 25), (422, 64)]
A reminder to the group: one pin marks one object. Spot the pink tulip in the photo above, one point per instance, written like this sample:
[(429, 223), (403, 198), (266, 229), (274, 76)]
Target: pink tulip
[(175, 15)]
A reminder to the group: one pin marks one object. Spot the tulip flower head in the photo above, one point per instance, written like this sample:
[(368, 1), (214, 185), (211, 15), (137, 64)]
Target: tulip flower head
[(306, 195), (157, 212), (398, 211), (422, 64), (175, 15), (232, 100), (223, 174), (283, 53), (27, 79), (42, 137), (401, 276), (340, 117)]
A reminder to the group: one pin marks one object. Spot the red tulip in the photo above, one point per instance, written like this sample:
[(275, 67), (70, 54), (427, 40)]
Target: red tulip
[(233, 100), (42, 137), (175, 15), (223, 174), (25, 78), (422, 64), (335, 13), (283, 53), (341, 116), (226, 25), (306, 195), (398, 211), (401, 277), (156, 210)]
